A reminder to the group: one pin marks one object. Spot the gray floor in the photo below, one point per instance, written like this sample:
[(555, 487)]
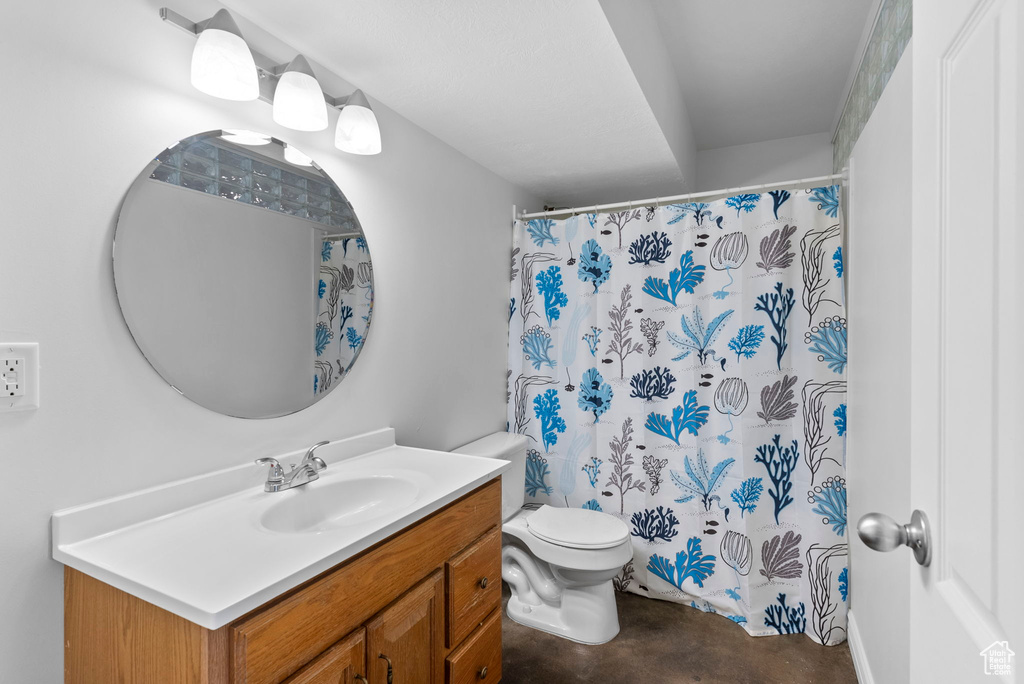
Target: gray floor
[(662, 642)]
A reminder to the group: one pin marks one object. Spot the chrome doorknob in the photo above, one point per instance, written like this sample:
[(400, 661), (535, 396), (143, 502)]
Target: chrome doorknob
[(882, 533)]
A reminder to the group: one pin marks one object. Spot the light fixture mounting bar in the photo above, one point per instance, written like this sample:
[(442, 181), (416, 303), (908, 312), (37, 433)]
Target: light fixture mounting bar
[(175, 19), (336, 102), (270, 71)]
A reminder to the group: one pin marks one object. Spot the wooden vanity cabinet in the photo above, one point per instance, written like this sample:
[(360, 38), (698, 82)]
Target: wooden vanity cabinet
[(427, 598)]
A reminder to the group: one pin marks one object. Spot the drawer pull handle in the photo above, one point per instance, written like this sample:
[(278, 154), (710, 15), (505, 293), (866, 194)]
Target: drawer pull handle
[(483, 584), (391, 673), (482, 674), (361, 679)]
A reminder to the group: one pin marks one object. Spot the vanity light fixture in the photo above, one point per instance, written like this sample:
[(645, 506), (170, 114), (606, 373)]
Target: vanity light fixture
[(222, 64), (293, 85), (293, 155), (357, 131), (298, 101)]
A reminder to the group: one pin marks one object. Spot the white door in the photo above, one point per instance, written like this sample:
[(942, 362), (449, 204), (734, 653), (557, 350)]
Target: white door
[(967, 336)]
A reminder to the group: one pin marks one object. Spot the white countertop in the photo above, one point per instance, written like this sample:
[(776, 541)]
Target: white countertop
[(197, 547)]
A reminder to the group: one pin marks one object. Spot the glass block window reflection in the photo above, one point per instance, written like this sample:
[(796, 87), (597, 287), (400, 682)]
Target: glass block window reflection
[(893, 29), (216, 170)]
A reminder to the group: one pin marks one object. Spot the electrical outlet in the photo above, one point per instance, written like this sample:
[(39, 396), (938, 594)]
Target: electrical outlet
[(19, 376), (11, 384)]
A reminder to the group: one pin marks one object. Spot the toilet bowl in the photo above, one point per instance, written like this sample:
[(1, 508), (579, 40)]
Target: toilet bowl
[(558, 562)]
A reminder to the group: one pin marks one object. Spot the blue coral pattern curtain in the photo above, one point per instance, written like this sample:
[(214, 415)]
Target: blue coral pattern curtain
[(683, 368)]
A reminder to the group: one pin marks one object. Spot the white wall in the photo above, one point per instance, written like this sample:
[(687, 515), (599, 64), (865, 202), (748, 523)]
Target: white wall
[(636, 29), (878, 446), (785, 159), (100, 88)]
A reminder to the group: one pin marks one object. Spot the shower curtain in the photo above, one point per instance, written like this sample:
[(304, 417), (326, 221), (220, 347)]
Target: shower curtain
[(683, 368), (344, 307)]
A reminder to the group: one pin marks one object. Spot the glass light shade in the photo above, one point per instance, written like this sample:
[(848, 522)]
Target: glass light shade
[(240, 136), (357, 131), (293, 155), (298, 101), (222, 65)]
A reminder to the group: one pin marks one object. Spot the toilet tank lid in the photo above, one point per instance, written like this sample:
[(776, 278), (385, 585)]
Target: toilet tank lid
[(495, 445), (578, 528)]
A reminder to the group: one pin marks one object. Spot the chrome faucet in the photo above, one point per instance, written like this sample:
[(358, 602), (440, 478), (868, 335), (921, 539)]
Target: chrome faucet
[(306, 471)]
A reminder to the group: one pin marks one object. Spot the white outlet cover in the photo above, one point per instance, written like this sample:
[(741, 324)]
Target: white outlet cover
[(28, 376)]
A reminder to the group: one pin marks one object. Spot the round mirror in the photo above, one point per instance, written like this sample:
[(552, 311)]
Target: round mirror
[(243, 274)]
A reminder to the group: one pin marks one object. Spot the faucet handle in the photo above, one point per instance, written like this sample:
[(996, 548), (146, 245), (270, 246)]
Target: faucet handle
[(316, 461), (276, 473)]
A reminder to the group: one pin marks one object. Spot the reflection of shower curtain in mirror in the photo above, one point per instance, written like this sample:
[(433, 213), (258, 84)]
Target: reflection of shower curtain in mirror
[(345, 302), (683, 368)]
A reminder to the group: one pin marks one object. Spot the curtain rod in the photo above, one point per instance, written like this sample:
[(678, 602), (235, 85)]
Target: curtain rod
[(658, 201)]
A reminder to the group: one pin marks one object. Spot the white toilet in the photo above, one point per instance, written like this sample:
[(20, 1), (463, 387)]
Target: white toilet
[(559, 562)]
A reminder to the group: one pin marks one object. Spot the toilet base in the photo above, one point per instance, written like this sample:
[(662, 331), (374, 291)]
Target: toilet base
[(586, 615)]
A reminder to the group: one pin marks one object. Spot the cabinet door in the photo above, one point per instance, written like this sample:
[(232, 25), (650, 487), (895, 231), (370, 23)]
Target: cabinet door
[(409, 634), (343, 663)]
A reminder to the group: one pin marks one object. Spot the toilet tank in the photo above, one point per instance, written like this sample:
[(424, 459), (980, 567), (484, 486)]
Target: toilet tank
[(510, 447)]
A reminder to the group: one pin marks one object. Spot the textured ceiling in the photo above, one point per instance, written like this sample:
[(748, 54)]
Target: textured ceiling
[(537, 91), (752, 70), (542, 93)]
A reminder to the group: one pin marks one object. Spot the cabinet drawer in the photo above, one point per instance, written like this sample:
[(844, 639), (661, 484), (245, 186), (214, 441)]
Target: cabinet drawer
[(474, 585), (340, 664), (478, 661)]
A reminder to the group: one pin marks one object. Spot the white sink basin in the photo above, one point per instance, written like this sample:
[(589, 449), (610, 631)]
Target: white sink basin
[(322, 505)]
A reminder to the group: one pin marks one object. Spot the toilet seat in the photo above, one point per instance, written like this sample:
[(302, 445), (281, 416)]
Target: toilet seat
[(577, 528), (517, 527)]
